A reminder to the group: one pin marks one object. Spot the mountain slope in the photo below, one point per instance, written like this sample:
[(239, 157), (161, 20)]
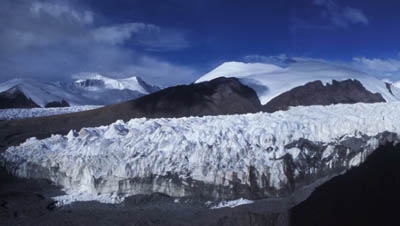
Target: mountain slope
[(221, 96), (316, 93), (218, 97), (15, 98), (41, 92), (89, 89), (269, 81)]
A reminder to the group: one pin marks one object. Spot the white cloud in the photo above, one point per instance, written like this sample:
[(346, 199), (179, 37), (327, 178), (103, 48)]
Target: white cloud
[(118, 34), (378, 64), (355, 16), (162, 72), (388, 68), (151, 36), (52, 40), (340, 16), (330, 15), (281, 59), (382, 68), (61, 11)]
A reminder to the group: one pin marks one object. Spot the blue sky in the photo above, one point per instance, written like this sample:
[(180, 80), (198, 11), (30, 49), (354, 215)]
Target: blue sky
[(175, 41)]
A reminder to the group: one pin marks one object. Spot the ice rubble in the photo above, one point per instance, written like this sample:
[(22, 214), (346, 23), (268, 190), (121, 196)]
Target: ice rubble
[(121, 158), (20, 113)]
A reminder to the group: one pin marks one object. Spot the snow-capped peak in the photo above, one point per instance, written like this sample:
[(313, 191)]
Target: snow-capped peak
[(39, 92), (396, 84), (269, 80), (239, 70), (94, 81), (85, 89), (14, 89)]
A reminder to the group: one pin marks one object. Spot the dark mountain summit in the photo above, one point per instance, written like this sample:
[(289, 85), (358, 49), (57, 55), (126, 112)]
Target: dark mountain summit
[(217, 97), (316, 93)]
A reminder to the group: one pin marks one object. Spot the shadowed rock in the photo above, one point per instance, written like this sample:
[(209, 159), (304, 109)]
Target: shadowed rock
[(365, 195), (15, 98), (217, 97), (316, 93), (57, 104)]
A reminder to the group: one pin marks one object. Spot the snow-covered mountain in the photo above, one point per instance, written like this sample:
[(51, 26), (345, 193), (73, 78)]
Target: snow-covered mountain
[(86, 89), (15, 98), (269, 80), (41, 92), (94, 82), (232, 156)]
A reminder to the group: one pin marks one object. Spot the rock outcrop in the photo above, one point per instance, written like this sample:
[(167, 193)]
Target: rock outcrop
[(316, 93), (15, 98)]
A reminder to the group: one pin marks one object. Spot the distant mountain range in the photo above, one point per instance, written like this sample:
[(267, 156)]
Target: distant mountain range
[(85, 89), (300, 82)]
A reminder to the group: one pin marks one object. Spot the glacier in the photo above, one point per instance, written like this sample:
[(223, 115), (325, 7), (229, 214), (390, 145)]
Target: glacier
[(248, 156), (21, 113)]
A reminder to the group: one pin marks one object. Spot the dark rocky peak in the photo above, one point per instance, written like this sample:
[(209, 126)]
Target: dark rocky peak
[(15, 98), (316, 93), (216, 97)]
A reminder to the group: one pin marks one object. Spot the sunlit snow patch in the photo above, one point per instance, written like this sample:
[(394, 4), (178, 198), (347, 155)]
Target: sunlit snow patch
[(232, 203), (103, 198)]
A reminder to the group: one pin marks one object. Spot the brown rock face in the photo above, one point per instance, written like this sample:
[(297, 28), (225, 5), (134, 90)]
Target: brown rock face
[(315, 93)]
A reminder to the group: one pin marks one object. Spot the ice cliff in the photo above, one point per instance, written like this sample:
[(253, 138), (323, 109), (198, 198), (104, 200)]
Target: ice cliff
[(252, 156)]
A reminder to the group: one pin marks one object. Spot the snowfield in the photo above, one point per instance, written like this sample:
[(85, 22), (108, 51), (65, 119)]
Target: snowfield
[(269, 80), (104, 163), (20, 113)]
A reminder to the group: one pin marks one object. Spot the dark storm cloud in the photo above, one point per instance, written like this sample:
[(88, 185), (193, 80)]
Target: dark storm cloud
[(55, 39)]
